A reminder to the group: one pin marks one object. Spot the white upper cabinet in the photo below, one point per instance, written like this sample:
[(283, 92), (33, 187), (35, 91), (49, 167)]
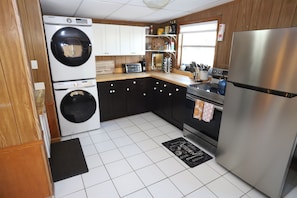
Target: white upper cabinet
[(115, 40), (132, 40), (106, 40)]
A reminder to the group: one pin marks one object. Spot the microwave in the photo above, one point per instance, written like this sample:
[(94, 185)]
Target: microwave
[(132, 67)]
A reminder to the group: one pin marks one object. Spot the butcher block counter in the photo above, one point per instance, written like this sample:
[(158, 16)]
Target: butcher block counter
[(178, 79)]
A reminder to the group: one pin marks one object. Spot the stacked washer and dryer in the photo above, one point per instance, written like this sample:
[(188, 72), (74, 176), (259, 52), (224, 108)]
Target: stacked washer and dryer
[(73, 71)]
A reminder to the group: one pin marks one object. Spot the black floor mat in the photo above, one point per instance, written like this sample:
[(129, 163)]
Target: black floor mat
[(187, 152), (67, 159)]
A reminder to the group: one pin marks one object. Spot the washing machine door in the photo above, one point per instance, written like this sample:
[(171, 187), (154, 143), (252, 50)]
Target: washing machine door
[(78, 106), (71, 46)]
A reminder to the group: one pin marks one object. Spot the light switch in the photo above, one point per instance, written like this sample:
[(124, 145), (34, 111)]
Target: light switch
[(34, 64)]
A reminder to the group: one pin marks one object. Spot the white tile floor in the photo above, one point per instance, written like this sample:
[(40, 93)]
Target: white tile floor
[(125, 158)]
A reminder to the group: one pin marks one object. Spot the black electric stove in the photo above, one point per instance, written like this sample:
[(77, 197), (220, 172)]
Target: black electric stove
[(204, 133)]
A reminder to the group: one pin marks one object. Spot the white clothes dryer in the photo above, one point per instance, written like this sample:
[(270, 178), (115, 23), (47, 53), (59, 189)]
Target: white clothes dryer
[(69, 45), (77, 106)]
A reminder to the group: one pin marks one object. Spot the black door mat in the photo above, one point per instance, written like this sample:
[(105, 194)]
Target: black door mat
[(187, 152), (67, 159)]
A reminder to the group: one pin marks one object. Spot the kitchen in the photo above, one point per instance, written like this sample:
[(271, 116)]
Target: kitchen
[(237, 15)]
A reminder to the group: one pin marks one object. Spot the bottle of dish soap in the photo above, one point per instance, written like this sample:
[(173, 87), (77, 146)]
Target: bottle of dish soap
[(222, 86)]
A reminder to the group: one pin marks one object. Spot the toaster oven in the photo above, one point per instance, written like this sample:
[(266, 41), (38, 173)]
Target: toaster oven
[(132, 67)]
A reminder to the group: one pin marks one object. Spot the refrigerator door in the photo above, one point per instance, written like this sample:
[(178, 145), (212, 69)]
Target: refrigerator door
[(265, 58), (257, 137)]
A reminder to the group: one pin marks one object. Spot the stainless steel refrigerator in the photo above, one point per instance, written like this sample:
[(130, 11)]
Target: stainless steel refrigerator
[(259, 123)]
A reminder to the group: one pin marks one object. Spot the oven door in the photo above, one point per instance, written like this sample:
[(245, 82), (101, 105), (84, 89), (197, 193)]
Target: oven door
[(205, 133)]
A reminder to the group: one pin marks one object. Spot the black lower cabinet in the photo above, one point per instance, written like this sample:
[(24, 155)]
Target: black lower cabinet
[(178, 100), (161, 99), (168, 101), (128, 97), (123, 98), (112, 100), (137, 95)]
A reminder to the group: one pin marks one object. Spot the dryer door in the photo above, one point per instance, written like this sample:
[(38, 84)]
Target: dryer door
[(78, 106), (71, 46)]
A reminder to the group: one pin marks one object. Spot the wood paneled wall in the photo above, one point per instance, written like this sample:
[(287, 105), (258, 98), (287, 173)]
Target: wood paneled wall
[(19, 120), (24, 170), (31, 19), (243, 15), (119, 60)]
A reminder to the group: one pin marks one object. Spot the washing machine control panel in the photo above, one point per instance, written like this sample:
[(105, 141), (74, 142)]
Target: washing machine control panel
[(74, 84)]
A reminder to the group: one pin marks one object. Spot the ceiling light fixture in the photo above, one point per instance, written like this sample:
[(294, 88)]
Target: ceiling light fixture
[(156, 3)]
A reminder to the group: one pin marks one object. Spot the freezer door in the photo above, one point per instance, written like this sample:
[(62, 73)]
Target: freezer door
[(265, 58), (257, 137)]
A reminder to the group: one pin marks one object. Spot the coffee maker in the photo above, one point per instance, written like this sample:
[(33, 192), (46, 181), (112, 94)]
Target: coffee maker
[(143, 65)]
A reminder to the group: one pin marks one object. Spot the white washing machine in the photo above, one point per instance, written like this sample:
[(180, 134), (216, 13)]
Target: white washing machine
[(77, 106), (69, 45)]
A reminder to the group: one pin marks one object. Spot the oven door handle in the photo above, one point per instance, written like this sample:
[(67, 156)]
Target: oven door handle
[(219, 108)]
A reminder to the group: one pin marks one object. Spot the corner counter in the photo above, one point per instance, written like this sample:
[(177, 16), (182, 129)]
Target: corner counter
[(173, 78)]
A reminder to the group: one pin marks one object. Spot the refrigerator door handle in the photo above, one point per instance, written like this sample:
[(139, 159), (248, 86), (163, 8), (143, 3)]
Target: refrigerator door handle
[(264, 90)]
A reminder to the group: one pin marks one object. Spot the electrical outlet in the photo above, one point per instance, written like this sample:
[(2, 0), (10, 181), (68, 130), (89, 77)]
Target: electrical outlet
[(34, 64)]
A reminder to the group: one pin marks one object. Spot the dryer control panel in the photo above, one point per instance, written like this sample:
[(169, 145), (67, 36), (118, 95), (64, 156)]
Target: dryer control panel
[(58, 20)]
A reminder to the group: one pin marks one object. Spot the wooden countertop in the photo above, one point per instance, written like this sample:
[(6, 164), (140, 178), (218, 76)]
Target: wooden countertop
[(174, 78)]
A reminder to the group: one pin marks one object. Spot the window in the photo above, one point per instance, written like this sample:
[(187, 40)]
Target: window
[(198, 42)]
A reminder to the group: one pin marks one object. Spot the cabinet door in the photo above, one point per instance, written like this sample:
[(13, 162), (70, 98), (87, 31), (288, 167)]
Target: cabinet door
[(178, 105), (137, 93), (146, 92), (99, 42), (132, 40), (161, 103), (125, 39), (112, 39), (155, 96), (106, 39), (104, 100), (137, 40), (112, 100), (165, 100)]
